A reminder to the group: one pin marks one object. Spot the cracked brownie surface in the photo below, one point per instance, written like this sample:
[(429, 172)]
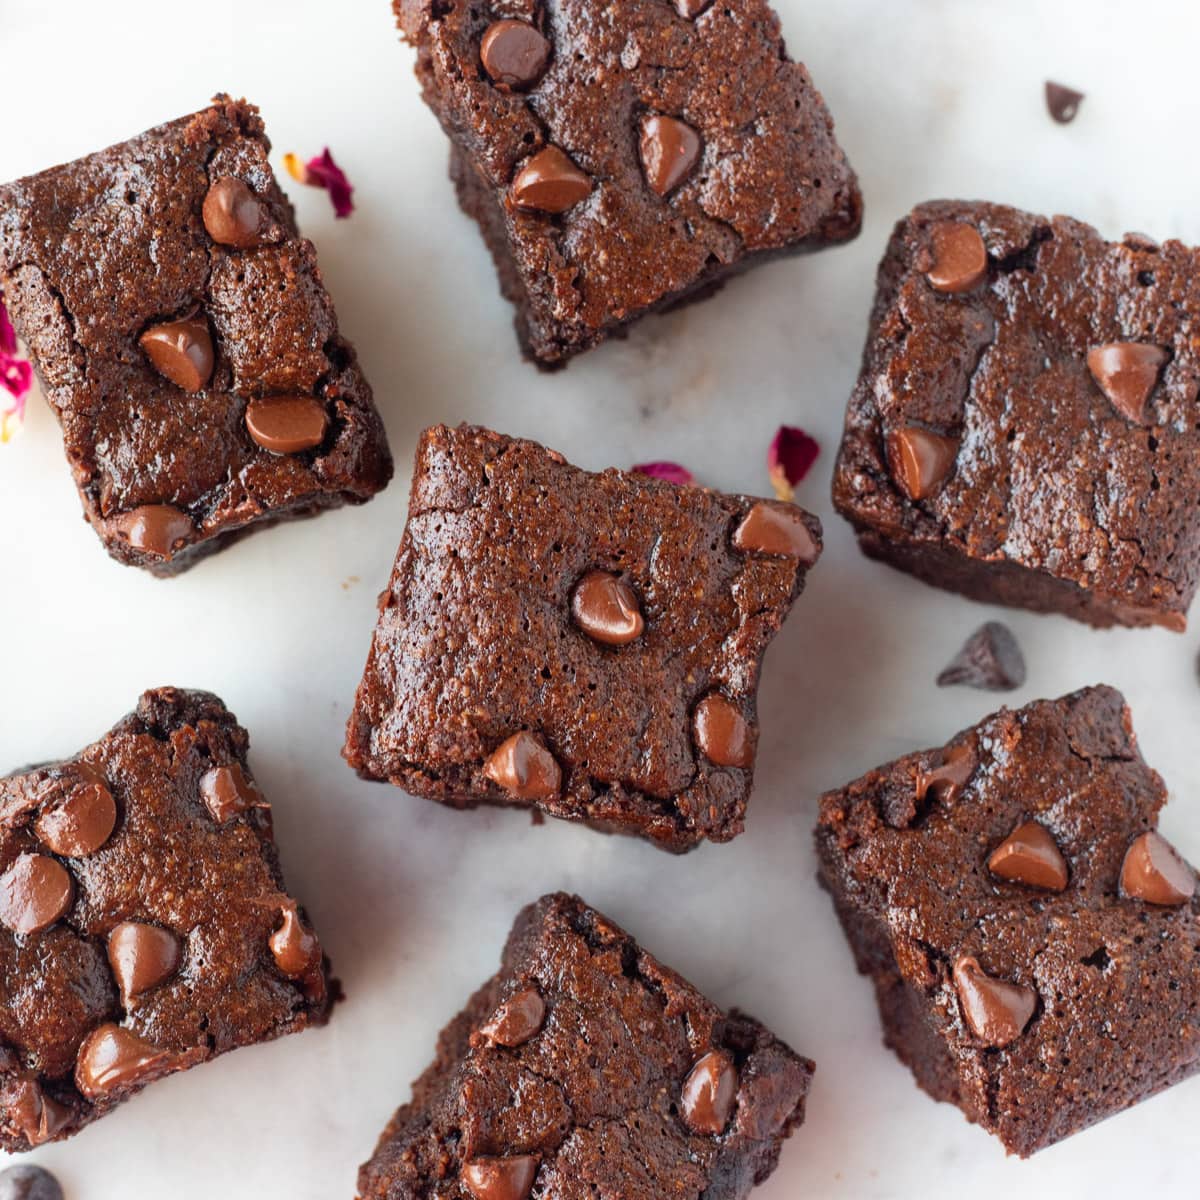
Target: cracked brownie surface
[(1032, 939), (585, 1068), (587, 644), (1026, 426), (144, 924), (182, 334), (629, 157)]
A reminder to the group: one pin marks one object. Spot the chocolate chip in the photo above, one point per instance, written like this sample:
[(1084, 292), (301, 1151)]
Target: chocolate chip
[(947, 779), (141, 957), (232, 213), (112, 1058), (295, 949), (995, 1011), (524, 768), (287, 424), (514, 54), (1031, 856), (778, 529), (691, 9), (38, 1117), (990, 659), (34, 893), (1126, 373), (29, 1183), (80, 813), (157, 529), (605, 607), (182, 351), (920, 460), (959, 256), (550, 183), (1063, 102), (227, 793), (508, 1178), (670, 149), (516, 1020), (708, 1094), (722, 733), (1154, 871)]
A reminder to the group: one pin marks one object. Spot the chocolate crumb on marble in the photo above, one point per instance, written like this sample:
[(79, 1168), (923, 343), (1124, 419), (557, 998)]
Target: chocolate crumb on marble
[(1062, 102)]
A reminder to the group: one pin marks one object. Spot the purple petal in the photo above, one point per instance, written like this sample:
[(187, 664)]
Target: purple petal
[(790, 458), (669, 472), (327, 174)]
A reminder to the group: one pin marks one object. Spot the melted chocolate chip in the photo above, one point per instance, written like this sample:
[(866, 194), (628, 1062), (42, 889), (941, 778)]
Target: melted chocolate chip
[(995, 1011), (80, 814), (514, 54), (27, 1182), (156, 529), (670, 149), (920, 460), (990, 659), (232, 213), (709, 1093), (1154, 871), (606, 608), (722, 733), (1126, 373), (516, 1020), (287, 424), (960, 260), (508, 1178), (182, 351), (38, 1117), (1031, 856), (112, 1058), (1062, 102), (948, 779), (550, 183), (35, 892), (295, 949), (524, 768), (141, 957), (227, 793), (777, 529)]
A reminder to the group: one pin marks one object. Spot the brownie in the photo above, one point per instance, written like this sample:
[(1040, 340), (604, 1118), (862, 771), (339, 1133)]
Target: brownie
[(625, 163), (144, 925), (1024, 428), (586, 1068), (181, 332), (1031, 936), (583, 644)]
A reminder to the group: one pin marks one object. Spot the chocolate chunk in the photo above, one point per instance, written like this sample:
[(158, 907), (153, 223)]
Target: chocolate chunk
[(29, 1183), (777, 529), (1126, 373), (550, 183), (287, 424), (296, 949), (1063, 102), (157, 529), (960, 260), (708, 1094), (691, 9), (524, 768), (508, 1178), (39, 1117), (670, 149), (232, 213), (605, 607), (516, 1020), (514, 54), (182, 351), (722, 733), (141, 956), (920, 460), (995, 1011), (1154, 871), (948, 779), (34, 893), (112, 1058), (80, 814), (227, 792), (990, 660), (1031, 856)]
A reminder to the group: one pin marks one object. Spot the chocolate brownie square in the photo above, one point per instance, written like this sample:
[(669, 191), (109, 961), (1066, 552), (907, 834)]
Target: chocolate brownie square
[(183, 336), (587, 645), (1031, 936), (627, 164), (586, 1068), (144, 924), (1024, 428)]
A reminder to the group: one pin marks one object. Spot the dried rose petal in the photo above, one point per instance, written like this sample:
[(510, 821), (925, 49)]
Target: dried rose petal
[(669, 472), (323, 172), (16, 378), (789, 459)]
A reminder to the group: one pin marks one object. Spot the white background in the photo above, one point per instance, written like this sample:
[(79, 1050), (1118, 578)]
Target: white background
[(413, 901)]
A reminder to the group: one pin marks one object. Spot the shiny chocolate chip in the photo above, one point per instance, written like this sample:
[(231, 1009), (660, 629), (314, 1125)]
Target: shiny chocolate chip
[(516, 1020), (112, 1059), (141, 956), (709, 1093), (670, 150), (287, 424), (949, 777), (722, 733), (157, 529), (39, 1117), (606, 608), (79, 815), (26, 1182), (1126, 373), (295, 949), (1154, 871), (550, 183), (920, 460), (990, 659), (514, 54), (1062, 102), (995, 1011), (182, 351), (959, 257), (524, 768), (509, 1178), (776, 529), (691, 9), (1031, 856), (227, 792), (35, 892), (232, 213)]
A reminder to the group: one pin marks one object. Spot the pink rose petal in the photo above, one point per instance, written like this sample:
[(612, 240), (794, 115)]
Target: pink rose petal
[(789, 459), (16, 378), (669, 472), (323, 172)]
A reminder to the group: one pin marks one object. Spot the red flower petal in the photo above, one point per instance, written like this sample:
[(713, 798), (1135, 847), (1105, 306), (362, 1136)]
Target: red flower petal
[(790, 458), (323, 172), (16, 377), (669, 472)]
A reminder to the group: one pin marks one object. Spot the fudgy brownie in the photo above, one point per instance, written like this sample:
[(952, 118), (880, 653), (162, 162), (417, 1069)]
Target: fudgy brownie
[(1024, 430), (629, 161), (183, 336), (1031, 936), (586, 1068), (588, 645), (144, 925)]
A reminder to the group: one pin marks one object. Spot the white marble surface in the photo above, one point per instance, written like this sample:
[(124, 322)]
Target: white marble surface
[(932, 98)]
